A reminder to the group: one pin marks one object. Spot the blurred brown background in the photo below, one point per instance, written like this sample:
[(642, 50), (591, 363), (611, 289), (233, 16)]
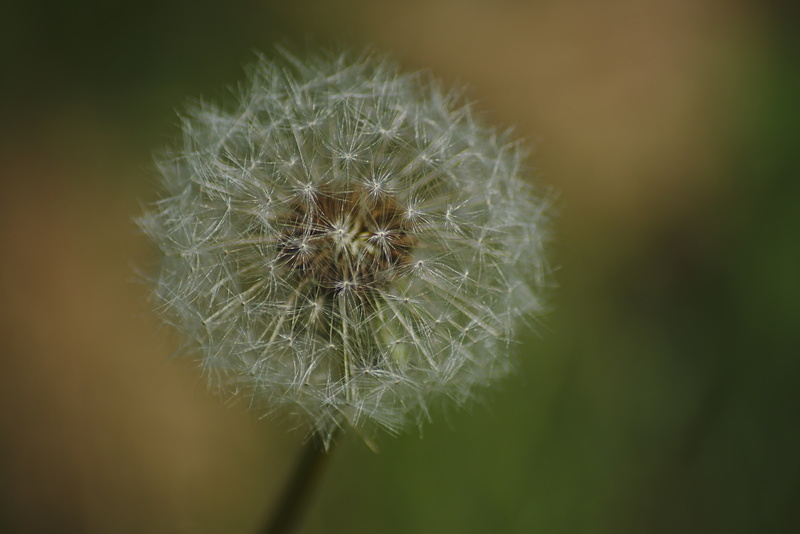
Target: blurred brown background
[(659, 396)]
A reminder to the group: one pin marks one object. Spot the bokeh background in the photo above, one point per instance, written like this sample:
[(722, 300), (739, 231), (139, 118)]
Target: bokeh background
[(660, 395)]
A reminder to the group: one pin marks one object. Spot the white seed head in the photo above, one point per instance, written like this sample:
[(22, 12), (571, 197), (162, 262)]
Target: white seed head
[(348, 243)]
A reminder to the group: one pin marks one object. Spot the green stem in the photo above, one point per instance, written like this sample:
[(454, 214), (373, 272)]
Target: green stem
[(294, 502)]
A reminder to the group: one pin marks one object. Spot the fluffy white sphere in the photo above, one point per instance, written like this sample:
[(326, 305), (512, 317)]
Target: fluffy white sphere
[(348, 243)]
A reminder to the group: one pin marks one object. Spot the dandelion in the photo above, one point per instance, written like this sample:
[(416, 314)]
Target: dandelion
[(347, 243)]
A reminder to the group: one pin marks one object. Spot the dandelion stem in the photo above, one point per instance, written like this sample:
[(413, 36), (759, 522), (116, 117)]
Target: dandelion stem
[(299, 489)]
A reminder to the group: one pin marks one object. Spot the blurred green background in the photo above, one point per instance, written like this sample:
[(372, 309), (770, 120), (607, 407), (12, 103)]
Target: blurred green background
[(660, 395)]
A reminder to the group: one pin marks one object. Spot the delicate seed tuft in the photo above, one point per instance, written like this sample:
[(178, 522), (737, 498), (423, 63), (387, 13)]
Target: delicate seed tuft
[(348, 242)]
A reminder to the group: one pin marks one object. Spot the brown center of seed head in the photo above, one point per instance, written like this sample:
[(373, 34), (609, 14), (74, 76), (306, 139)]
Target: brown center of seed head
[(346, 241)]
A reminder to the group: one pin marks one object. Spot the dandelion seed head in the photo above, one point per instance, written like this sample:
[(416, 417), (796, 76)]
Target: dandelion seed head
[(348, 242)]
